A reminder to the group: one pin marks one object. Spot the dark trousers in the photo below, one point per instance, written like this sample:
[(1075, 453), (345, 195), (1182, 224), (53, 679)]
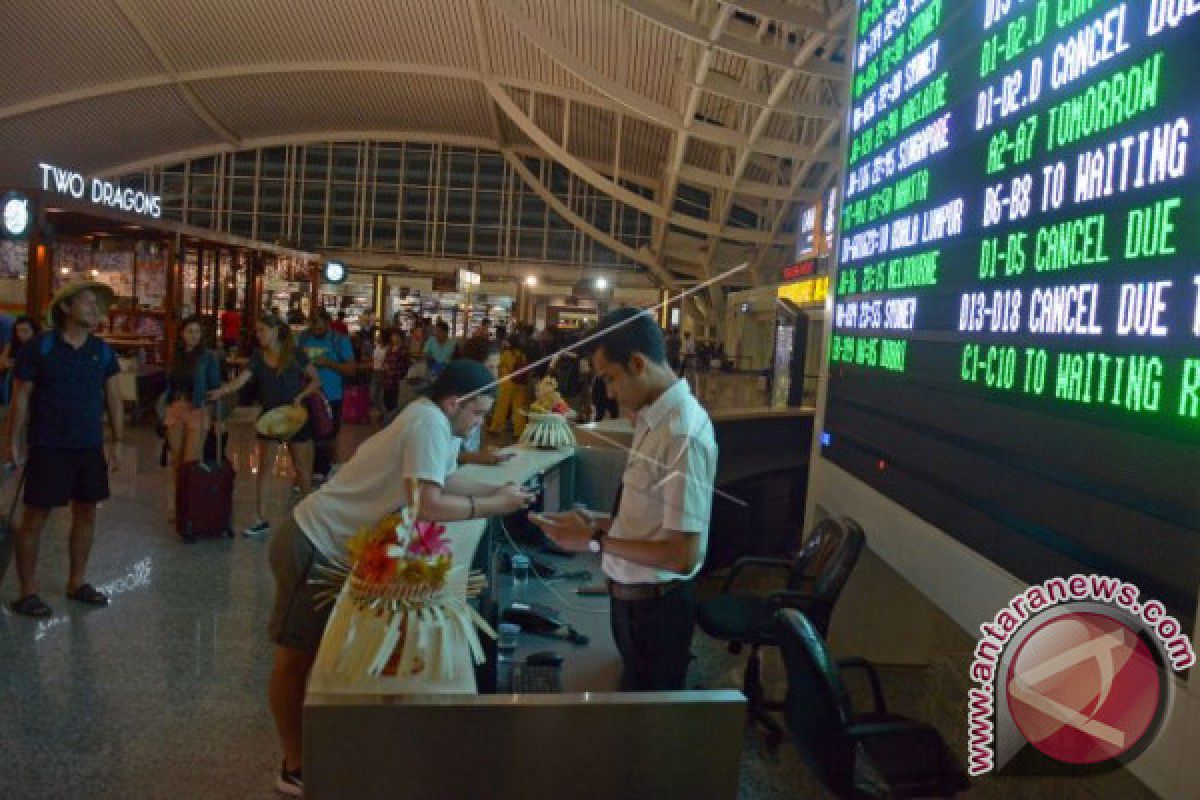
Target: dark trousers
[(654, 637), (326, 449)]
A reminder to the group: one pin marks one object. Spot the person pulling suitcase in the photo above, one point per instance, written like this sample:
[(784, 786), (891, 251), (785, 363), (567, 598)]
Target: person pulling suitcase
[(194, 370), (204, 496)]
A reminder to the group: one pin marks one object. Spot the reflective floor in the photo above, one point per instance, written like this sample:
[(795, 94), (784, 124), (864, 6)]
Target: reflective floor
[(162, 694)]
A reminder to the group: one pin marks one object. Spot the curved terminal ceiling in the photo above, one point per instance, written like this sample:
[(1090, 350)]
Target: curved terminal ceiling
[(711, 120)]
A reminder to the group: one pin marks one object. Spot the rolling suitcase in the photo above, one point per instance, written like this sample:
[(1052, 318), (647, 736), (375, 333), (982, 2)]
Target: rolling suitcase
[(356, 405), (204, 501)]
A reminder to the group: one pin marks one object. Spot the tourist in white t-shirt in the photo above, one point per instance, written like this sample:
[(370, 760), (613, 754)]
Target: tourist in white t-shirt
[(420, 445)]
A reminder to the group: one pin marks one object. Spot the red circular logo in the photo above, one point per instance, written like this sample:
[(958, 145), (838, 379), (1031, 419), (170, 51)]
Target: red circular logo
[(1083, 688)]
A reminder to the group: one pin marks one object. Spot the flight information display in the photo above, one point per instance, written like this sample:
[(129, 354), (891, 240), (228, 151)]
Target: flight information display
[(1015, 353)]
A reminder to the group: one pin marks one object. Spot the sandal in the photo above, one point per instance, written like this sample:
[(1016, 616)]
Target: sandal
[(31, 606), (90, 595)]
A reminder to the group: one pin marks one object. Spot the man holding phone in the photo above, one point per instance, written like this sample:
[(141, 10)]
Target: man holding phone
[(654, 545)]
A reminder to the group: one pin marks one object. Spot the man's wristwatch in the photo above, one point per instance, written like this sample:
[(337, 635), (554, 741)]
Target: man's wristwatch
[(596, 543)]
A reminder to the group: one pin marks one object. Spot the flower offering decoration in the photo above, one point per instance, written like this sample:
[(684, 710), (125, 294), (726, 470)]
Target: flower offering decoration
[(548, 426), (402, 605)]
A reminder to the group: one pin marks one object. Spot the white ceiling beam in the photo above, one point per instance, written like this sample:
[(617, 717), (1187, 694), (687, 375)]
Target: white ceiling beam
[(546, 142), (784, 12), (765, 54), (484, 54), (679, 149), (545, 41), (758, 142), (780, 148), (698, 175), (202, 112), (720, 84), (291, 68), (309, 137), (612, 243), (800, 176)]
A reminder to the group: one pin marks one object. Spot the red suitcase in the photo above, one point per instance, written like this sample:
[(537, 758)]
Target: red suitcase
[(204, 500), (356, 405)]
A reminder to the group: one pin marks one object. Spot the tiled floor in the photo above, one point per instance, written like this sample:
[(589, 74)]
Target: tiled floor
[(162, 695)]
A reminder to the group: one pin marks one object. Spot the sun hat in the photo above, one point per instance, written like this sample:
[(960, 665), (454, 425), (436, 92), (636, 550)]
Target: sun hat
[(283, 422), (105, 296)]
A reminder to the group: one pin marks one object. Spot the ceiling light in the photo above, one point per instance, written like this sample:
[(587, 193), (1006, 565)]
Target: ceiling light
[(531, 280), (602, 283)]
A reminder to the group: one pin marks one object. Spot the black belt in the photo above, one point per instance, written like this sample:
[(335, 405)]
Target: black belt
[(642, 591)]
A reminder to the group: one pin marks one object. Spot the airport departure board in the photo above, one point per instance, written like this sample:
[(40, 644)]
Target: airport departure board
[(1015, 353)]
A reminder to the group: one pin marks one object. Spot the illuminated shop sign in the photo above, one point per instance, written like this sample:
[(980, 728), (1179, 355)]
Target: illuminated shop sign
[(798, 270), (335, 272), (100, 192), (803, 293), (18, 215)]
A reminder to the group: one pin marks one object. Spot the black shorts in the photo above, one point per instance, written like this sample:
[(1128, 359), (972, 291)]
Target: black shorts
[(54, 476)]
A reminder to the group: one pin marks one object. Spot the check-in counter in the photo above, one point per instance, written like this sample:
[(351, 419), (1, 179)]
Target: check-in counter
[(589, 740)]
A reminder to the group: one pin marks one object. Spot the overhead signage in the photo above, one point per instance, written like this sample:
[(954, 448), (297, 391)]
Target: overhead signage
[(798, 270), (468, 280), (1016, 320), (18, 215), (805, 293), (99, 191)]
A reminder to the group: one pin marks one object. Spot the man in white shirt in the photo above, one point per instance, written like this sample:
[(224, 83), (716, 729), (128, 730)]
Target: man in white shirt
[(655, 544), (421, 444)]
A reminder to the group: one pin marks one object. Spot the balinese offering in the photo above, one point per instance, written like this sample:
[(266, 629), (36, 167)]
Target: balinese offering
[(548, 418), (402, 610)]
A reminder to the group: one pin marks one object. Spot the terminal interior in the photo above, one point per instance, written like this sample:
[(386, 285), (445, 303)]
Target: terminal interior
[(928, 266)]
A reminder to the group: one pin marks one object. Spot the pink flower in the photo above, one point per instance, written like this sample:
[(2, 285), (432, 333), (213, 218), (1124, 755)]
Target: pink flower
[(427, 539)]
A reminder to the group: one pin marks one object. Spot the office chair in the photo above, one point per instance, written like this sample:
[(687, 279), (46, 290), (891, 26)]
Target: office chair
[(815, 579), (872, 755)]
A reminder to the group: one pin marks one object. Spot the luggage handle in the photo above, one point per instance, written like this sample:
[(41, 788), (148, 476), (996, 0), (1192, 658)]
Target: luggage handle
[(216, 408)]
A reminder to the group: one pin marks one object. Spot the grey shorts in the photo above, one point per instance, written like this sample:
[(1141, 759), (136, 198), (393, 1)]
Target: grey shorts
[(296, 621)]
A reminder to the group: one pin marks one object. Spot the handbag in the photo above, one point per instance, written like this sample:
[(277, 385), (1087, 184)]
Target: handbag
[(320, 415), (7, 530)]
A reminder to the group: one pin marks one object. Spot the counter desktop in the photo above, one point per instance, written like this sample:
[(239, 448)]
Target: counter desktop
[(586, 740)]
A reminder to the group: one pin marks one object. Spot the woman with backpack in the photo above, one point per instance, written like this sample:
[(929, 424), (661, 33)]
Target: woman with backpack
[(282, 373), (193, 372)]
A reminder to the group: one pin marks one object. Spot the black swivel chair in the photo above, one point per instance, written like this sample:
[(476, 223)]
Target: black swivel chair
[(873, 755), (815, 579)]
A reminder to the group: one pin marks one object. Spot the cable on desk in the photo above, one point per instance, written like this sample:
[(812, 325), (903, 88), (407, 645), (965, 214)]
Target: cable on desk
[(568, 605)]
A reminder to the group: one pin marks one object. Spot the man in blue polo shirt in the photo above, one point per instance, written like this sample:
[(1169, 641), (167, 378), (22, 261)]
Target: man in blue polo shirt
[(333, 357), (64, 379)]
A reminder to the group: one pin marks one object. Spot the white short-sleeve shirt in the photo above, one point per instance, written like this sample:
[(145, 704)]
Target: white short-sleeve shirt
[(668, 481), (418, 444)]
